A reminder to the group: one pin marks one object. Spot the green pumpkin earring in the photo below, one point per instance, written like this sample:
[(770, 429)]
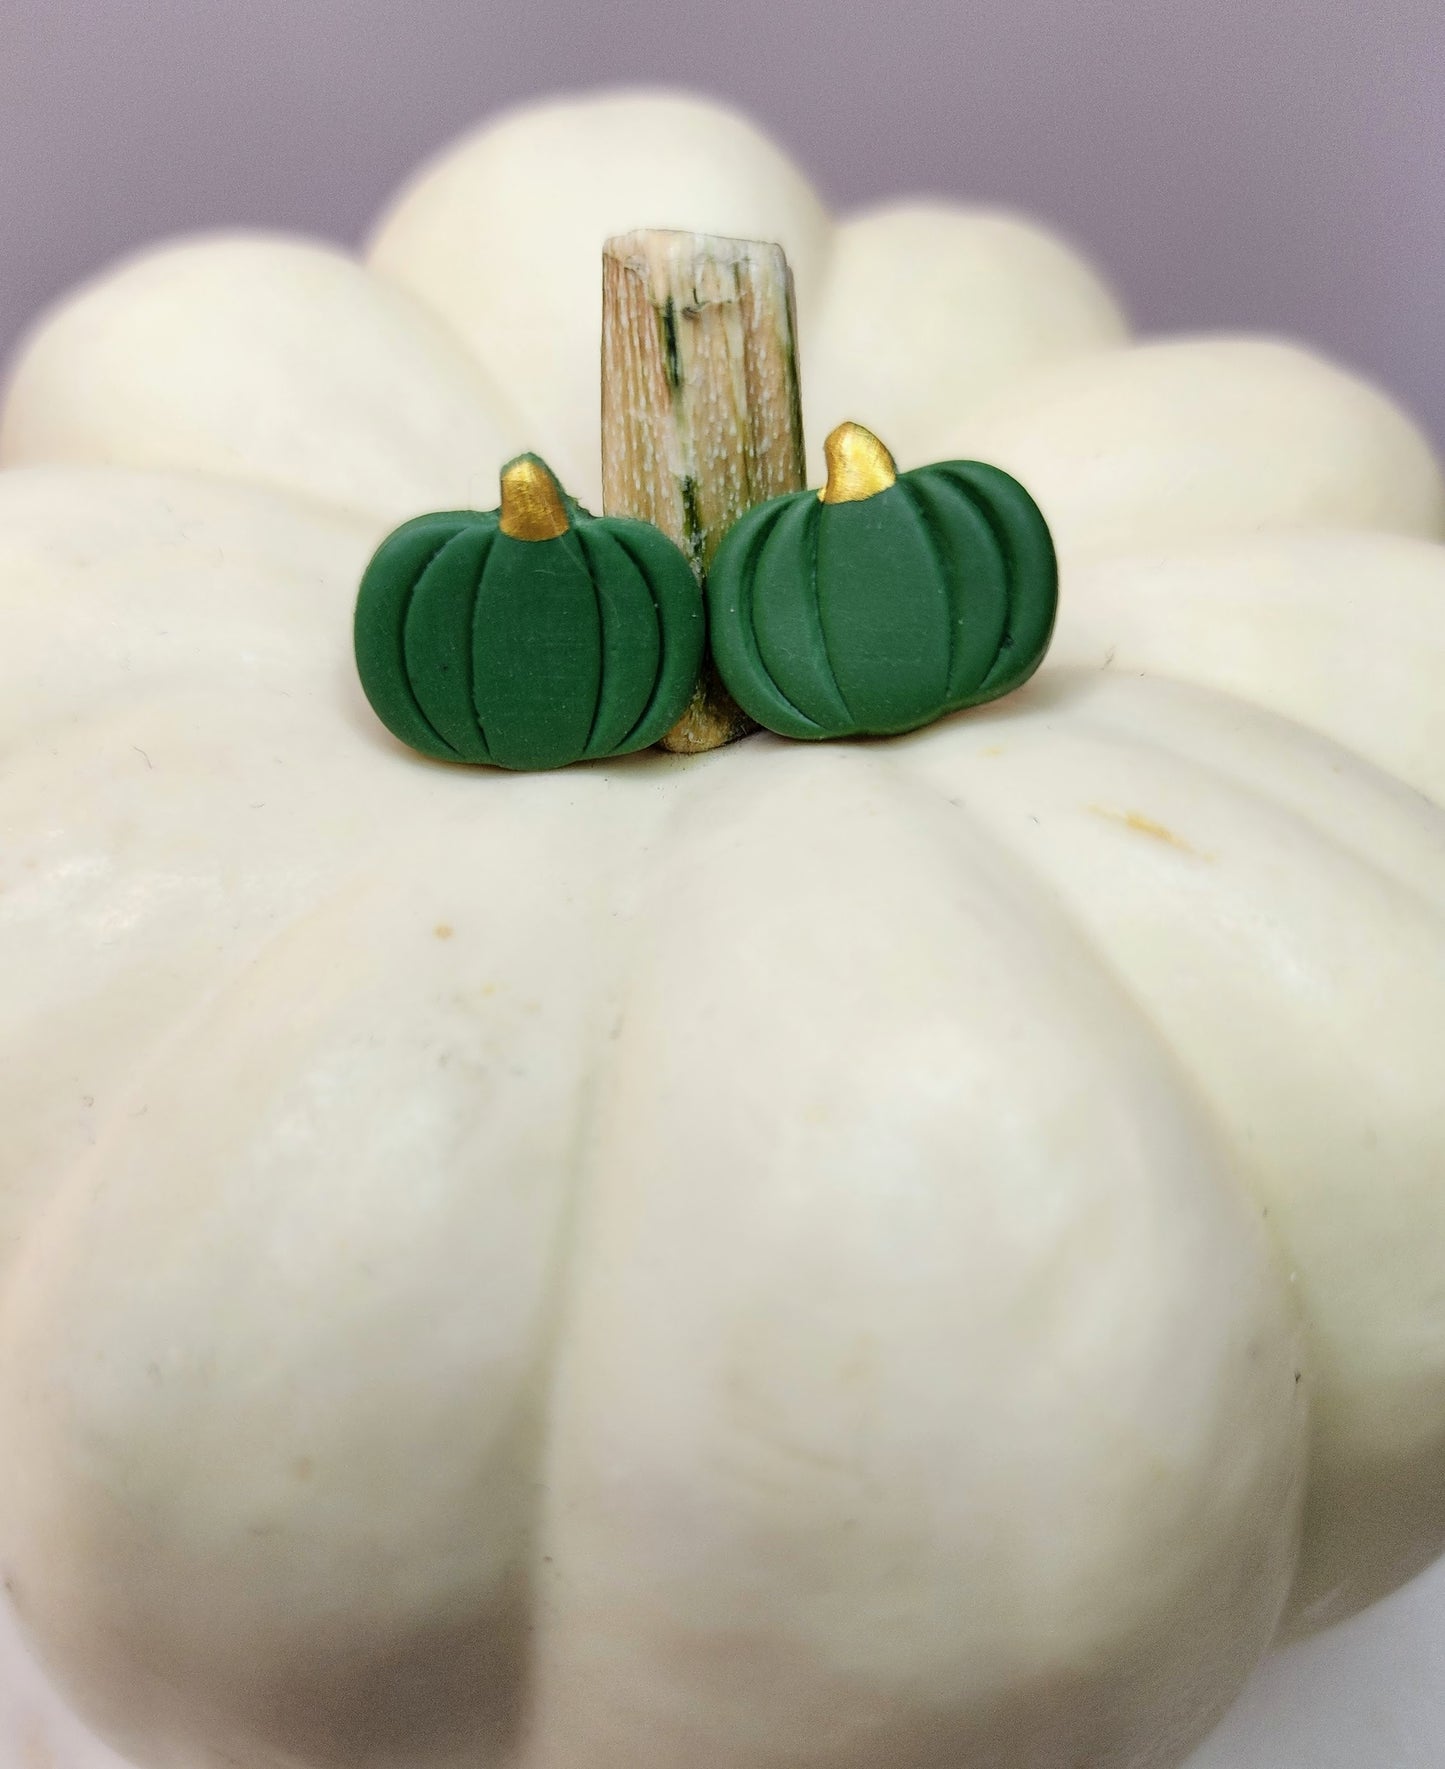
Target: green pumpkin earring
[(529, 636), (884, 601)]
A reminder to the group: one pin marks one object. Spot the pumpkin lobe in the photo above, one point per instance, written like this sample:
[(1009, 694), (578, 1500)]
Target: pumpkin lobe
[(536, 651), (438, 640), (884, 610)]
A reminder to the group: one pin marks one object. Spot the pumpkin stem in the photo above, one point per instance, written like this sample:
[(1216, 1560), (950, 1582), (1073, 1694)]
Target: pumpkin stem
[(858, 466), (533, 508), (701, 412)]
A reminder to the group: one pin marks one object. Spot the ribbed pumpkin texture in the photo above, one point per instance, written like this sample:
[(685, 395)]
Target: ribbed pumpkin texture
[(529, 636), (887, 600)]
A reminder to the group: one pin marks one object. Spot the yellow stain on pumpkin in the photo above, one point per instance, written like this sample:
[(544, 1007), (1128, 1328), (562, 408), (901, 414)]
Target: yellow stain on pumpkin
[(1145, 825), (443, 930)]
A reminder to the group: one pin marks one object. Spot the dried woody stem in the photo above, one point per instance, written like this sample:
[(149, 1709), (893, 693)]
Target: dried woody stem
[(701, 413)]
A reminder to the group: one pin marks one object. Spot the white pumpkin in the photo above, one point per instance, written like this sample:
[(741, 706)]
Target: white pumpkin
[(911, 1254)]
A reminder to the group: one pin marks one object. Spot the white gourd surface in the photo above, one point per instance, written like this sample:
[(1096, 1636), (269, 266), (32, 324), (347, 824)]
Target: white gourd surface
[(795, 1256)]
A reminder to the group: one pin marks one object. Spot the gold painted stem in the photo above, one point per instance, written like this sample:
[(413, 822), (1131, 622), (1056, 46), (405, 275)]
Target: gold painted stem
[(532, 508), (701, 407), (859, 466)]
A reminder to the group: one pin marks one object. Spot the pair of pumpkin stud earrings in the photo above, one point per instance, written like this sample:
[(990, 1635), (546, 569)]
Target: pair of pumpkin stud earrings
[(537, 634)]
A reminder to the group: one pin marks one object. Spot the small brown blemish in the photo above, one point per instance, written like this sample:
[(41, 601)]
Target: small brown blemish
[(444, 930), (994, 749), (303, 1468), (1143, 825)]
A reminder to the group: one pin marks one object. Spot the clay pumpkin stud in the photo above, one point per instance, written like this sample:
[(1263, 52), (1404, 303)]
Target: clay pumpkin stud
[(884, 601), (529, 636)]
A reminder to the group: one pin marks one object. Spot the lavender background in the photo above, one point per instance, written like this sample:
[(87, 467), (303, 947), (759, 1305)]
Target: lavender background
[(1269, 164)]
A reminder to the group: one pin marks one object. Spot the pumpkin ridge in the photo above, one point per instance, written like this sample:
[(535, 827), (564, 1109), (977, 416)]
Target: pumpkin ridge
[(583, 542), (396, 669), (1001, 680), (1011, 578), (470, 664), (742, 626), (629, 743), (403, 611), (815, 603), (961, 577), (601, 545), (933, 541), (444, 695), (1008, 558), (820, 699), (466, 650)]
